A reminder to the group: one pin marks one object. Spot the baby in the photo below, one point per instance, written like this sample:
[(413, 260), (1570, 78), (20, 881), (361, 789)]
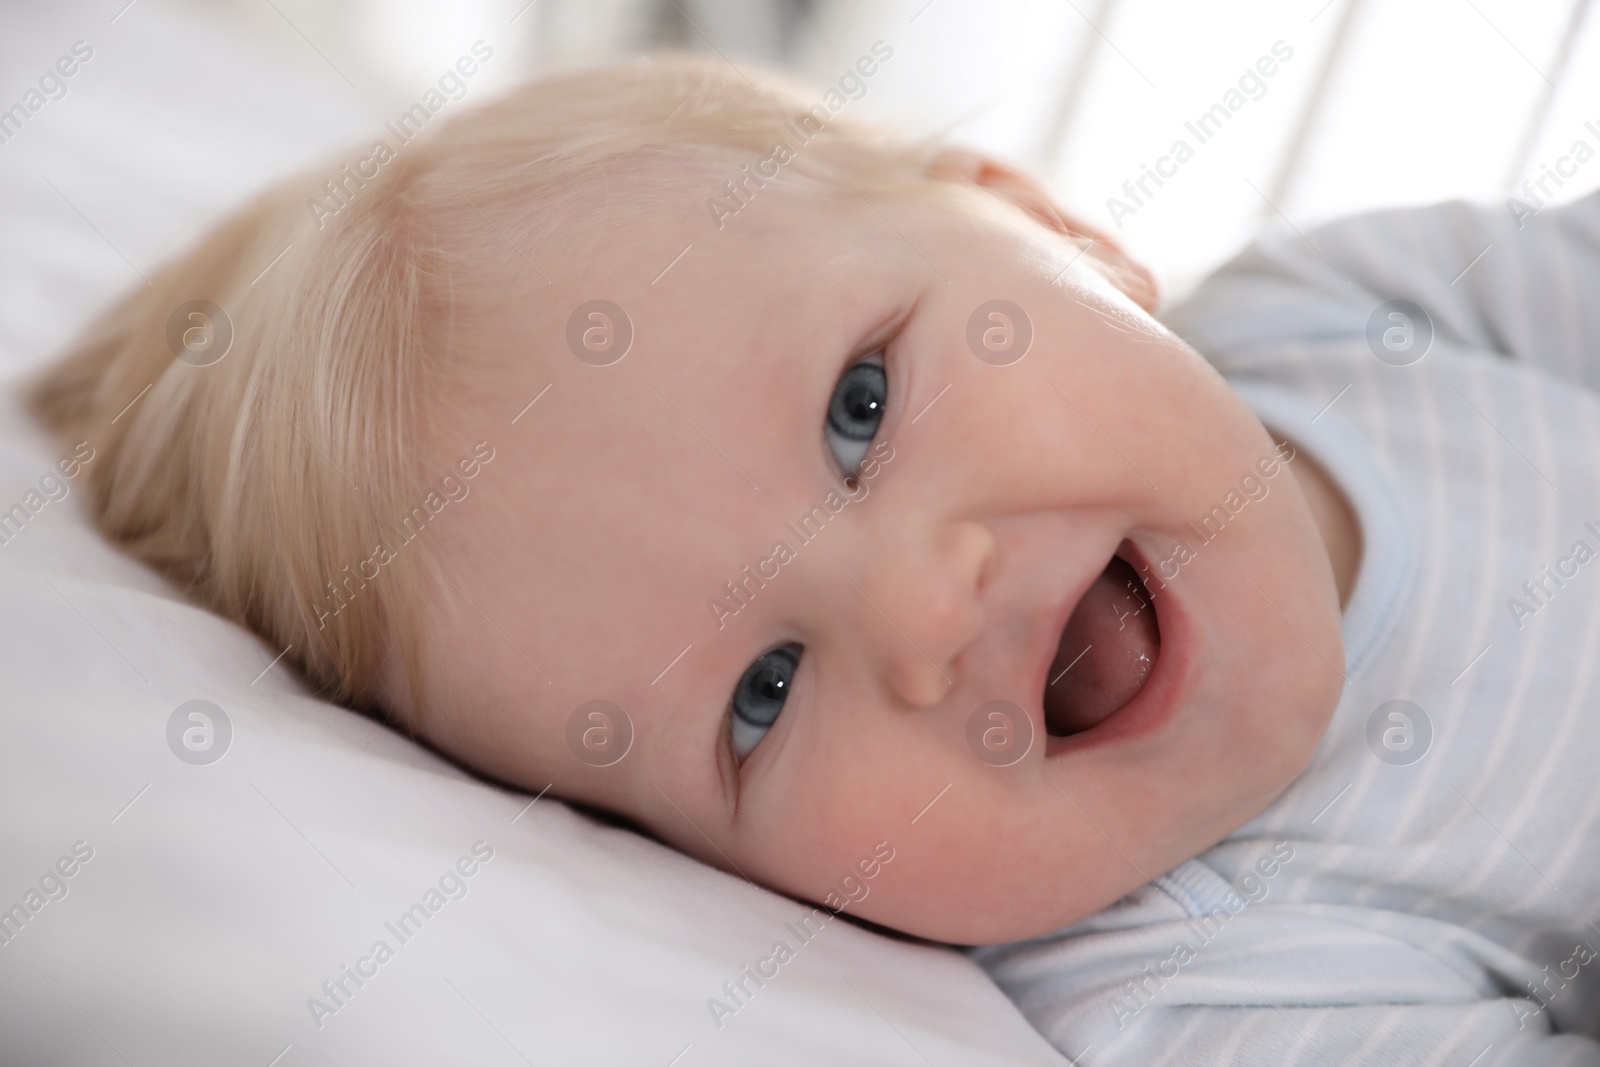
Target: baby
[(678, 443)]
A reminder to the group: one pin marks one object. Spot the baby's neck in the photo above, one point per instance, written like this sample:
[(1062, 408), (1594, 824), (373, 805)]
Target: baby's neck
[(1341, 532)]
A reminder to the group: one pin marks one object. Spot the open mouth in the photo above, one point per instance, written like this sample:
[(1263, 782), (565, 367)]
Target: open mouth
[(1107, 651)]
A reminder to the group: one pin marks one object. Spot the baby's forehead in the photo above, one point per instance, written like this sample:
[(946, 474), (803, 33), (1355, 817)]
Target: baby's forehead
[(719, 343), (669, 352), (637, 292), (661, 409)]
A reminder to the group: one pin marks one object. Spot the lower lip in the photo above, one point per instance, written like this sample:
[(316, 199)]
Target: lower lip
[(1157, 704)]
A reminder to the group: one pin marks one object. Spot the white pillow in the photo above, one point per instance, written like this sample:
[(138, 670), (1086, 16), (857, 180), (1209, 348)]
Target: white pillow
[(177, 912)]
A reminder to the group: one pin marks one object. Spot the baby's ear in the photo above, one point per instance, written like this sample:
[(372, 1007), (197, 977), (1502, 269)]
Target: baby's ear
[(1027, 193)]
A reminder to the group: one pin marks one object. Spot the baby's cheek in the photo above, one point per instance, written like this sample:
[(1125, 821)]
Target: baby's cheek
[(838, 848)]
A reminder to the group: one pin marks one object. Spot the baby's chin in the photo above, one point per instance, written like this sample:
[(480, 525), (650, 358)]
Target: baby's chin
[(1012, 907), (999, 918), (975, 891)]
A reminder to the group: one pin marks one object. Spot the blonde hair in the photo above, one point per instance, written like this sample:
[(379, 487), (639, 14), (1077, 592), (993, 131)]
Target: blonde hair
[(252, 480)]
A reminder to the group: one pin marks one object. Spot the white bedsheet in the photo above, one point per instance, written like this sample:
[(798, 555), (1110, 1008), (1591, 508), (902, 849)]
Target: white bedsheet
[(207, 904)]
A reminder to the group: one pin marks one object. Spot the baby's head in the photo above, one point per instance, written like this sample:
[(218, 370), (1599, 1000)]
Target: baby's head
[(851, 470)]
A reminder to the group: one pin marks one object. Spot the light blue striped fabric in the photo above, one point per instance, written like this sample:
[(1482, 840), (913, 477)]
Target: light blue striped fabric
[(1444, 911)]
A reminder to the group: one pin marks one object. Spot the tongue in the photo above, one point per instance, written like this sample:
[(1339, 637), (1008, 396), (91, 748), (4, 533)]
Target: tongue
[(1107, 651)]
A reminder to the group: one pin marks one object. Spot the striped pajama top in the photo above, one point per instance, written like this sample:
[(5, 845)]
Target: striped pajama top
[(1427, 891)]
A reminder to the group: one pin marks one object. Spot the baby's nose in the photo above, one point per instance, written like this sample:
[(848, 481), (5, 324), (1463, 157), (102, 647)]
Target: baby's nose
[(921, 606)]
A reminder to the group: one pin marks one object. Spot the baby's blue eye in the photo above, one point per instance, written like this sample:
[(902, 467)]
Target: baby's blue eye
[(760, 694), (855, 412)]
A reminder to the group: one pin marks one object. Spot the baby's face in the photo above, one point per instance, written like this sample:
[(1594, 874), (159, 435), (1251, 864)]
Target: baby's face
[(811, 665)]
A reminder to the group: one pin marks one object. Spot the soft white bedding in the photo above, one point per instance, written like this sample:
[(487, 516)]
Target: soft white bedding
[(208, 903)]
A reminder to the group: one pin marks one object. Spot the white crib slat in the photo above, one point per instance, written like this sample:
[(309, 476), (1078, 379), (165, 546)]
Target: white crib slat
[(1573, 107), (1428, 104), (1555, 74), (1197, 55), (1316, 99)]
